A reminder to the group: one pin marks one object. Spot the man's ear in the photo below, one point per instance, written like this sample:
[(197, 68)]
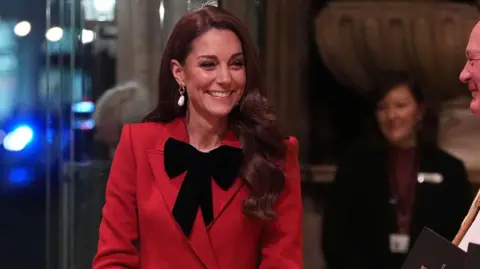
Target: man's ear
[(177, 72)]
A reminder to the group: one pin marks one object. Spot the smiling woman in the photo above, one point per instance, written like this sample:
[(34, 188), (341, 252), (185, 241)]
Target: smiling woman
[(399, 109), (208, 167), (213, 73), (220, 55)]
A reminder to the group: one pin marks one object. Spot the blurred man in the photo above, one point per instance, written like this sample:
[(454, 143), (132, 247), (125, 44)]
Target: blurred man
[(470, 75), (125, 103)]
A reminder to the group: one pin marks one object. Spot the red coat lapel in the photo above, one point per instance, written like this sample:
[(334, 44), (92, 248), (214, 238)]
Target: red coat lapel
[(199, 240)]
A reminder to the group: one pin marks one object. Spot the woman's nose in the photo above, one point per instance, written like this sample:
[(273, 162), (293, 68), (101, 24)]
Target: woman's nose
[(223, 76)]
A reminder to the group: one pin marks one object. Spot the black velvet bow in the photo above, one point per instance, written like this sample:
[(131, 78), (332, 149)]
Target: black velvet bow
[(221, 164)]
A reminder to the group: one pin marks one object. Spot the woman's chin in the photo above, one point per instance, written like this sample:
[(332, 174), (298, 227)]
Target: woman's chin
[(220, 112), (219, 108)]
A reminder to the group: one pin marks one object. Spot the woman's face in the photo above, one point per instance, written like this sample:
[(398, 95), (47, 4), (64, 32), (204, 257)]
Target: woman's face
[(398, 115), (213, 73)]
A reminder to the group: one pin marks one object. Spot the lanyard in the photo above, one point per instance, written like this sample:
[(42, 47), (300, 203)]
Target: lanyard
[(403, 178)]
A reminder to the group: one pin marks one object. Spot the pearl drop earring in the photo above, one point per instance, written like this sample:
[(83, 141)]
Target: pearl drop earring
[(181, 99)]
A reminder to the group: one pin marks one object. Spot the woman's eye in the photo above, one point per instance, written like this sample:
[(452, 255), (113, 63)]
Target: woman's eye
[(238, 63), (207, 64)]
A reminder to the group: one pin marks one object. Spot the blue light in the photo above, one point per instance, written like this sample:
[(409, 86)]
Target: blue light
[(19, 175), (83, 107), (50, 135), (18, 139), (87, 124)]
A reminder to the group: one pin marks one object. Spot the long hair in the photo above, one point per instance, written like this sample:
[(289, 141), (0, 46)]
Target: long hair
[(252, 120)]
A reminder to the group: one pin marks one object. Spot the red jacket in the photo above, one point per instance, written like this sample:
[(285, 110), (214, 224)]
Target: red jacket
[(138, 229)]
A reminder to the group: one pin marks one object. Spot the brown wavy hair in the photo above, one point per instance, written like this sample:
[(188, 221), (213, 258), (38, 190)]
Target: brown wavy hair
[(252, 120)]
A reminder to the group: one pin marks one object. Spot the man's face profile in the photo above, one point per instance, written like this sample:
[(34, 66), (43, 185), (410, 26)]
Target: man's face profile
[(470, 74)]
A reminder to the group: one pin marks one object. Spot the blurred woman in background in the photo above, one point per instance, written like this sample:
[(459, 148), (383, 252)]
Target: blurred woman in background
[(385, 193)]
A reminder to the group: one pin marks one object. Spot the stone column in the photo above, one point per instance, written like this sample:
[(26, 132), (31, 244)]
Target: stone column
[(285, 59), (248, 12), (144, 27), (124, 44), (285, 56)]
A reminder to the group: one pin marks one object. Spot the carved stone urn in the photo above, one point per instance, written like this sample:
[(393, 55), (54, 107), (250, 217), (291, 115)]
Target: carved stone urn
[(356, 39)]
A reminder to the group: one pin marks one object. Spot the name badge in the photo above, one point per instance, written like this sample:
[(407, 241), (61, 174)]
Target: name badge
[(434, 178), (399, 243)]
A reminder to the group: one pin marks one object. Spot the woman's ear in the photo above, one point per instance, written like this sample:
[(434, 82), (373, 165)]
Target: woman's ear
[(177, 72)]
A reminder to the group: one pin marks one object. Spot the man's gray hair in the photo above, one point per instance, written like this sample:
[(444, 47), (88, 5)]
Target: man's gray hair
[(131, 101)]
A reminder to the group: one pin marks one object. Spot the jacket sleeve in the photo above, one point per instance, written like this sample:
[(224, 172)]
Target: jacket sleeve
[(460, 197), (281, 245), (339, 245), (119, 227)]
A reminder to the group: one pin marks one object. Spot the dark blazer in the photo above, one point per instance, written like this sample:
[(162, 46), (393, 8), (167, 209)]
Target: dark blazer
[(360, 216), (138, 229)]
